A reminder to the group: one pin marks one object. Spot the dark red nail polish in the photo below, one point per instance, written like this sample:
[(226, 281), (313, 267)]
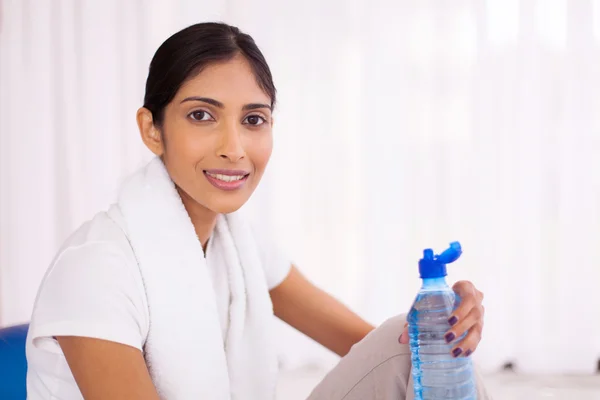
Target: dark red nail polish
[(456, 352), (453, 320), (468, 353), (450, 337)]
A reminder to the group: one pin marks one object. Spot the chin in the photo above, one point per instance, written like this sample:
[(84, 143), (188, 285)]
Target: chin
[(226, 210), (226, 206)]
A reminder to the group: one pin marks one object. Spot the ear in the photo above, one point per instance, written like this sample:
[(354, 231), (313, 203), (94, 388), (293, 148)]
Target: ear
[(151, 135)]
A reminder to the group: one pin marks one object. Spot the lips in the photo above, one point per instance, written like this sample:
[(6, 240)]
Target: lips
[(225, 179)]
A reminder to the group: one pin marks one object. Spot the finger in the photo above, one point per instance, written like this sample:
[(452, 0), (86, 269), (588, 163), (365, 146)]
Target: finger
[(403, 339), (469, 344), (467, 303), (464, 288), (474, 317)]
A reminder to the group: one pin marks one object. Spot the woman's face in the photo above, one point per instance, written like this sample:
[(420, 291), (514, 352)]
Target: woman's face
[(216, 136)]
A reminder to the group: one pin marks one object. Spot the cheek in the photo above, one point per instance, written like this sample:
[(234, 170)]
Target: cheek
[(186, 144), (260, 151)]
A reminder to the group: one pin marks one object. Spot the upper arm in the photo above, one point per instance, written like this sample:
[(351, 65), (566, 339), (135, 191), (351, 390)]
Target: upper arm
[(107, 370), (91, 308), (91, 291)]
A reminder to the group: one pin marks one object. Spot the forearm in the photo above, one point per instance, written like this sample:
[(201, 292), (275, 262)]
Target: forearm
[(318, 315), (336, 326)]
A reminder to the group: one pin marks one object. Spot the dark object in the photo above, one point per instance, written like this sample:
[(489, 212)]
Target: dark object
[(598, 367), (13, 363), (509, 366), (453, 320), (450, 337)]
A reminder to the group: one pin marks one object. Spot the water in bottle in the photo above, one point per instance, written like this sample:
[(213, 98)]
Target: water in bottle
[(437, 374)]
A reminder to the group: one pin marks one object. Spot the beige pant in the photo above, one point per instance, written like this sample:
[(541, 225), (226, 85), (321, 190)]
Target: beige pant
[(376, 368)]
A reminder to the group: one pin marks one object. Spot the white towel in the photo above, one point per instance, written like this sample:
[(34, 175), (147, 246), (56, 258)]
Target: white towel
[(184, 349)]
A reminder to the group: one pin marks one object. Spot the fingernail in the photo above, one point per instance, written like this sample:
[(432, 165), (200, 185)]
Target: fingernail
[(468, 353), (400, 339), (449, 337), (456, 352), (453, 320)]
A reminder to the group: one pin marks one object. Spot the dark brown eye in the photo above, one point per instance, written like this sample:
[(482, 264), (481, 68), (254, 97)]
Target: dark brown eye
[(200, 115), (255, 120)]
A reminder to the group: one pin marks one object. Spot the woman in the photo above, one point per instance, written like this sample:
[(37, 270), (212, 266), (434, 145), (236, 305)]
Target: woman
[(169, 294)]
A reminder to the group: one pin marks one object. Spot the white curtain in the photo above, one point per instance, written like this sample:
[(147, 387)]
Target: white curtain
[(401, 125)]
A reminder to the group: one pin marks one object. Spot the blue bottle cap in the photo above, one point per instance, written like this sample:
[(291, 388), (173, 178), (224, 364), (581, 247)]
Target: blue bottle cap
[(434, 266)]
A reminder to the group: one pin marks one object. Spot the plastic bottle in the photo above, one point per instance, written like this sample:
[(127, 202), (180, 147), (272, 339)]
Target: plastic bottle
[(437, 374)]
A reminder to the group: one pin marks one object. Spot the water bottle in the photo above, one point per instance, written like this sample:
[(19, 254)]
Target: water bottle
[(436, 373)]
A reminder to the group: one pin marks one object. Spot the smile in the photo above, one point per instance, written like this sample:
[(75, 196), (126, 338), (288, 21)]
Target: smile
[(226, 179)]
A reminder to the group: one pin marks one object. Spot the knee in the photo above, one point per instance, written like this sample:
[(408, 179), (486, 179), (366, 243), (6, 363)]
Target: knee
[(391, 329), (384, 339), (383, 362), (395, 323)]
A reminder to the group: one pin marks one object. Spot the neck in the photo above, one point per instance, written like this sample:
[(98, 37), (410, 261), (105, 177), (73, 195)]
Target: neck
[(203, 219), (431, 283)]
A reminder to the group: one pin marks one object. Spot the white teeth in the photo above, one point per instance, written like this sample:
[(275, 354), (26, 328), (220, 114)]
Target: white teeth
[(226, 178)]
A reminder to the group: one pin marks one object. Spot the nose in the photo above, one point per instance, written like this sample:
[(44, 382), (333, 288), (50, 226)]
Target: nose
[(230, 146)]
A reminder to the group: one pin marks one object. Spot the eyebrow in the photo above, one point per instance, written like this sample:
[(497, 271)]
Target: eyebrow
[(218, 104)]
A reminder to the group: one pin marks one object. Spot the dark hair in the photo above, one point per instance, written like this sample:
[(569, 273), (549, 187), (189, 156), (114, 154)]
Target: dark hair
[(187, 52)]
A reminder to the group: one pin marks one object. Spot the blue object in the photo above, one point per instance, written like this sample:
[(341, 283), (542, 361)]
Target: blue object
[(431, 266), (437, 374), (13, 363)]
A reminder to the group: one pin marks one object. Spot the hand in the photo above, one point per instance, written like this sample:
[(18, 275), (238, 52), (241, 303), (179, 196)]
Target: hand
[(467, 317)]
